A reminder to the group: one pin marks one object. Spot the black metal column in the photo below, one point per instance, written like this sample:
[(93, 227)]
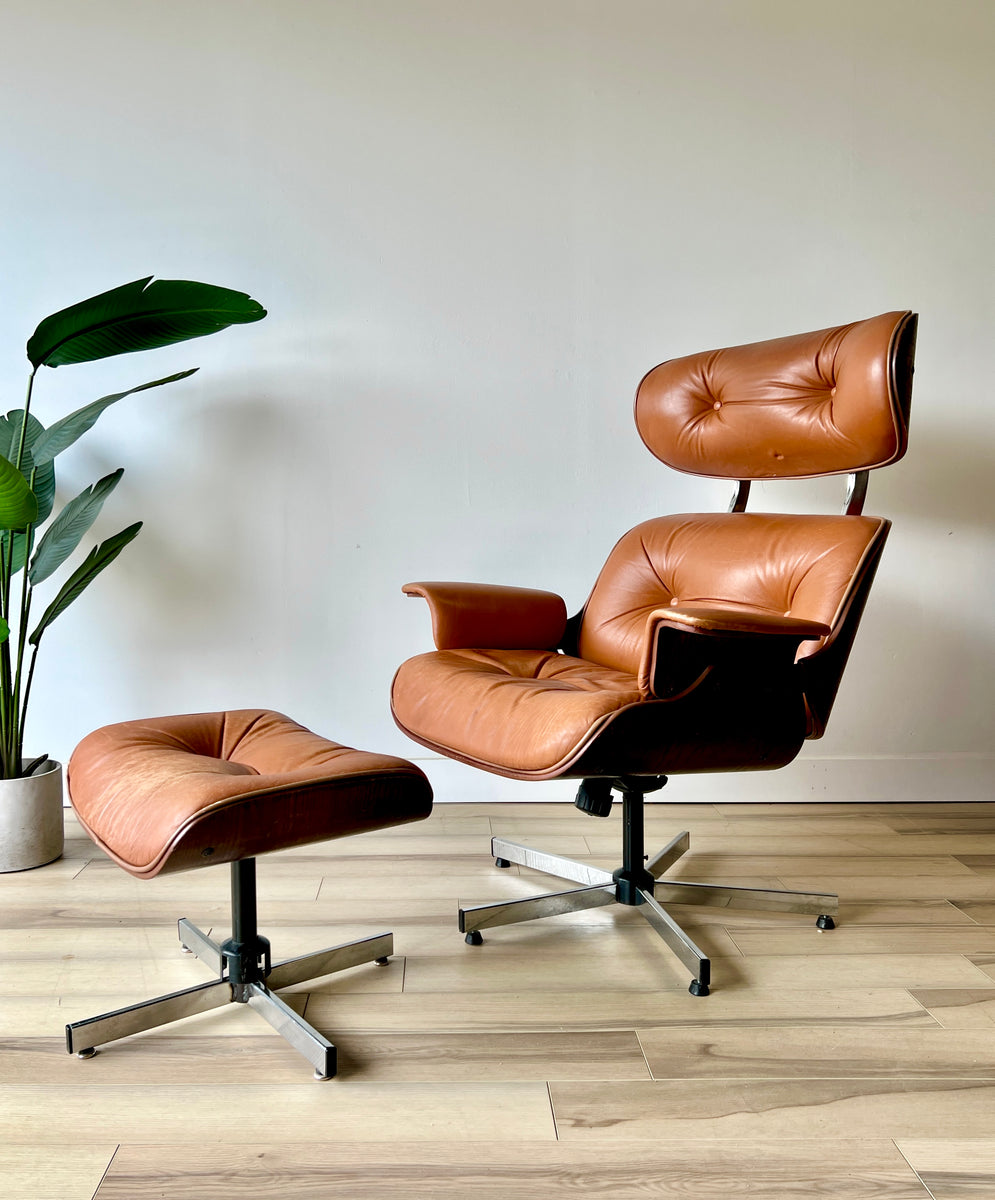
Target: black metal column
[(246, 955), (633, 876)]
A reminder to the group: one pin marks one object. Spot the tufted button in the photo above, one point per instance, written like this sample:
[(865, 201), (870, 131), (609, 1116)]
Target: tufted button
[(832, 391), (717, 405), (674, 601), (778, 455)]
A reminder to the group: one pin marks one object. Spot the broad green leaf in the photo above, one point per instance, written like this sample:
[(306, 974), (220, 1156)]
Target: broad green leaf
[(18, 506), (44, 478), (138, 316), (66, 531), (63, 433), (99, 557)]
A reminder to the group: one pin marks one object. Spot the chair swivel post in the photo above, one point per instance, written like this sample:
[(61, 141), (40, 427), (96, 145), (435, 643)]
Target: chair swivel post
[(246, 955), (632, 878)]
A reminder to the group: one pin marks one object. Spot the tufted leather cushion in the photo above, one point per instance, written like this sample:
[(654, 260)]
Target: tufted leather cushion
[(778, 564), (818, 403), (173, 793), (522, 710)]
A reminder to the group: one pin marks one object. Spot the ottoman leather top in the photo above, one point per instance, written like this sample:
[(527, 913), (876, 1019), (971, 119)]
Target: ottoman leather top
[(174, 793)]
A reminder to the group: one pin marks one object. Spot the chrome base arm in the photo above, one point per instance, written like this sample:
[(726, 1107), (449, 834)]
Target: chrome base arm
[(675, 849), (712, 895), (197, 943), (513, 912), (292, 1027), (549, 864), (696, 961), (83, 1037), (326, 962)]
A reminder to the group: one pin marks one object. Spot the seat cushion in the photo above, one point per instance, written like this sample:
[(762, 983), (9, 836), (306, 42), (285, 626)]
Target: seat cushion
[(174, 793), (512, 711)]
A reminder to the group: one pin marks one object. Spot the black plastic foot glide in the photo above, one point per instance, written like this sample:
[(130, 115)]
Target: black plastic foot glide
[(698, 988), (502, 862), (474, 938), (825, 922)]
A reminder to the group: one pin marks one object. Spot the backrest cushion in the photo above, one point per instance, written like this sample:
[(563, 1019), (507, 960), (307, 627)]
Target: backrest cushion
[(783, 564), (820, 403)]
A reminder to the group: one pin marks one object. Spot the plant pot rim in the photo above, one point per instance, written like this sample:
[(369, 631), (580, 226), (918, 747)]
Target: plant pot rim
[(49, 765)]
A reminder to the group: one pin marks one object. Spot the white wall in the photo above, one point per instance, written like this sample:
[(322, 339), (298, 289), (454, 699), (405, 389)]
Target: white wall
[(475, 226)]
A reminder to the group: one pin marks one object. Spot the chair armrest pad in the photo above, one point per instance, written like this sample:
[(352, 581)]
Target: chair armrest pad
[(492, 617), (721, 623)]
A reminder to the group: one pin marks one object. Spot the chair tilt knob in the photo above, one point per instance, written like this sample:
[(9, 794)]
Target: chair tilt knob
[(176, 793)]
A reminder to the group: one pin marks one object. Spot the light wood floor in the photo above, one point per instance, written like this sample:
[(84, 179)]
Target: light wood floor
[(561, 1058)]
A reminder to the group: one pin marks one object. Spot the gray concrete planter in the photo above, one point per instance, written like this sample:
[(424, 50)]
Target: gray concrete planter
[(31, 819)]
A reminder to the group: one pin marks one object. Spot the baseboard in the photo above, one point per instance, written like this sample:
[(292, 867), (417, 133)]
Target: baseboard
[(955, 777)]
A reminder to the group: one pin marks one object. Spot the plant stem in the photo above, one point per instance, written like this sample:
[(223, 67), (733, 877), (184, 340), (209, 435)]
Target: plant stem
[(24, 419), (7, 710), (20, 711), (27, 686)]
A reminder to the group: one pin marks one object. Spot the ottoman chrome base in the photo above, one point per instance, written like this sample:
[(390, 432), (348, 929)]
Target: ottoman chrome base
[(246, 977)]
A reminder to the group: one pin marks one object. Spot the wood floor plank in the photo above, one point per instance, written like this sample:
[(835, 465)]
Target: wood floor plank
[(106, 882), (943, 823), (777, 825), (980, 911), (886, 809), (383, 845), (959, 1008), (600, 1010), (45, 1172), (56, 919), (868, 940), (982, 864), (899, 886), (382, 1057), (954, 1169), (960, 844), (716, 866), (240, 1115), (984, 962), (775, 1170), (827, 1052), (661, 970), (810, 1108), (380, 871), (913, 911), (62, 871), (490, 1057), (854, 970)]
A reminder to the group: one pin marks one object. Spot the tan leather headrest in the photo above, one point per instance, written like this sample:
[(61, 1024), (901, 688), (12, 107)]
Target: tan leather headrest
[(821, 403)]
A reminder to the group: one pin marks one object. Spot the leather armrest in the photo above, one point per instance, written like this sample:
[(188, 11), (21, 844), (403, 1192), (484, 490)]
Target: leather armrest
[(492, 617), (713, 631)]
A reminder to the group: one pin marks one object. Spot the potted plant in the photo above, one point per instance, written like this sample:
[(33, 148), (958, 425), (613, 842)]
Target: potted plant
[(34, 544)]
